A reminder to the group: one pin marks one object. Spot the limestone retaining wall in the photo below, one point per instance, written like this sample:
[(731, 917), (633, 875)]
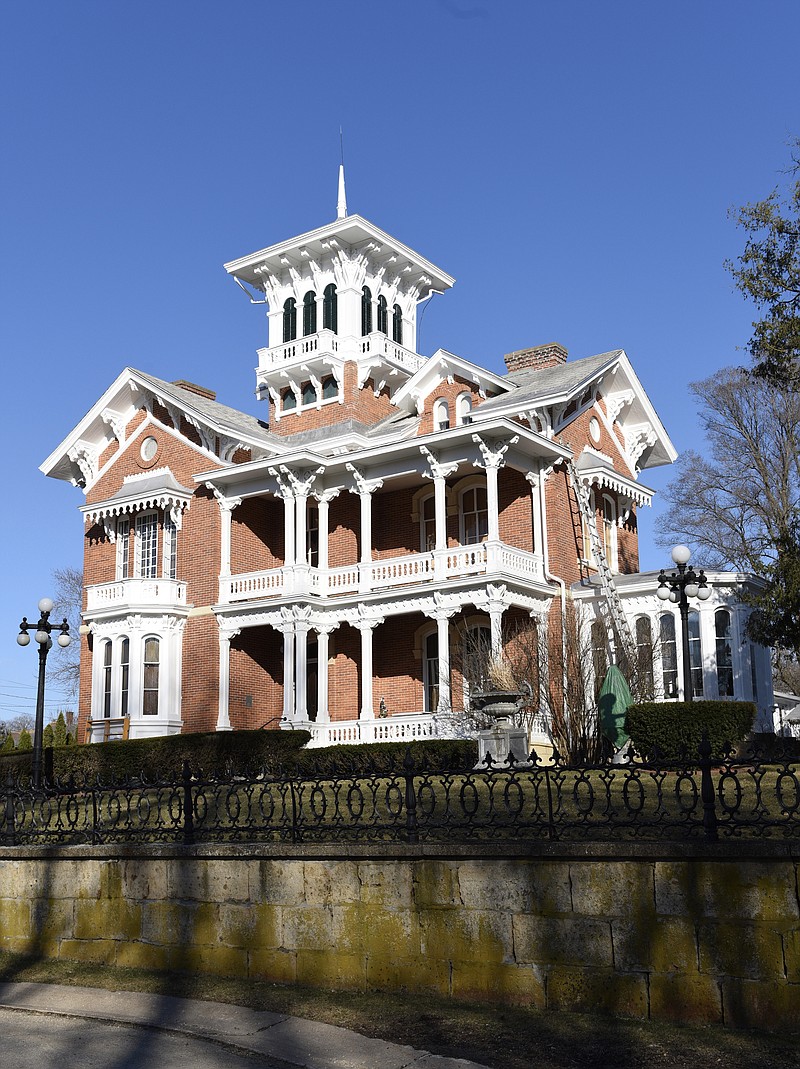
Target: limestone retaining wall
[(682, 931)]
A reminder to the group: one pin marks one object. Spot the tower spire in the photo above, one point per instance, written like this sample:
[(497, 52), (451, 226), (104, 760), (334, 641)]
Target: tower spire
[(341, 204)]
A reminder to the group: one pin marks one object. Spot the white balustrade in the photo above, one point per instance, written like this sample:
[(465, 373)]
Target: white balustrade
[(161, 592), (269, 584), (399, 571), (401, 728), (324, 341)]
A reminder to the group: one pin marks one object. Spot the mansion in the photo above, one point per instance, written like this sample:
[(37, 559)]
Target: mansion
[(320, 566)]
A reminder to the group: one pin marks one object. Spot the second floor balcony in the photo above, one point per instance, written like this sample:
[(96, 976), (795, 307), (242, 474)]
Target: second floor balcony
[(136, 593), (486, 559)]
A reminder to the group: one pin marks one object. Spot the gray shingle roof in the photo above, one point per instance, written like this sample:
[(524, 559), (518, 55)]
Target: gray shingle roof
[(533, 385)]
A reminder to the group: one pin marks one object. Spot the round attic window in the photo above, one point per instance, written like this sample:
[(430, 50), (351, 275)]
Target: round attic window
[(148, 449), (594, 429)]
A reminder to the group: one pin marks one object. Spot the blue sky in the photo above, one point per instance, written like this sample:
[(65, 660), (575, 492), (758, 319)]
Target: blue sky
[(570, 163)]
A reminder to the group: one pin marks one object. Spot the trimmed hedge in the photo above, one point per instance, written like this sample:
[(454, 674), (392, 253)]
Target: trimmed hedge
[(162, 758), (241, 753), (430, 755), (674, 729)]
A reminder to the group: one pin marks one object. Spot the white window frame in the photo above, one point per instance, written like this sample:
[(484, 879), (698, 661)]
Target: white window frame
[(146, 541)]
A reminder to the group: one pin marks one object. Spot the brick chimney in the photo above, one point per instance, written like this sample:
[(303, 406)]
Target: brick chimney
[(192, 387), (537, 358)]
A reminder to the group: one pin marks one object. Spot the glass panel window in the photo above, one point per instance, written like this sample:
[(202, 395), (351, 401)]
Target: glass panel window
[(309, 393), (123, 549), (644, 655), (309, 314), (695, 654), (427, 519), (366, 310), (431, 672), (289, 400), (669, 655), (330, 317), (463, 409), (397, 324), (151, 673), (312, 670), (289, 319), (722, 628), (125, 666), (329, 388), (312, 534), (474, 515), (441, 415), (170, 564), (106, 679), (147, 545), (383, 315)]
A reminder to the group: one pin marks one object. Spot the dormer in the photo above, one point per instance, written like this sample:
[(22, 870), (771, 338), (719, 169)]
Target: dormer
[(345, 293)]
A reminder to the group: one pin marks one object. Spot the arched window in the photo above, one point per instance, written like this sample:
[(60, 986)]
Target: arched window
[(608, 531), (474, 515), (123, 548), (309, 393), (463, 409), (330, 315), (722, 629), (366, 310), (644, 656), (695, 654), (441, 415), (669, 655), (397, 324), (107, 679), (125, 668), (476, 659), (151, 673), (427, 523), (289, 401), (289, 319), (599, 639), (383, 315), (309, 314), (147, 545), (329, 388), (430, 672)]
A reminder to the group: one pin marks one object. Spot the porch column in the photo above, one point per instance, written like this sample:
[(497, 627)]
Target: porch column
[(365, 488), (491, 461), (223, 712), (443, 636), (496, 606), (537, 538), (287, 630), (323, 636), (288, 526), (301, 629), (301, 525), (366, 628), (324, 499)]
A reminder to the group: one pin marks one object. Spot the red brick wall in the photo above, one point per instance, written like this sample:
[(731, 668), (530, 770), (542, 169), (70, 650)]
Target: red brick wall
[(394, 533), (344, 692), (360, 405), (448, 391), (344, 521), (256, 673), (397, 671), (200, 680), (514, 500), (257, 535)]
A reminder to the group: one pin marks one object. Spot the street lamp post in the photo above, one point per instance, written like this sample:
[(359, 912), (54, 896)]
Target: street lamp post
[(42, 636), (678, 587)]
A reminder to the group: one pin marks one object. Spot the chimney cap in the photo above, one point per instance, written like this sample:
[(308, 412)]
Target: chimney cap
[(536, 358), (192, 387)]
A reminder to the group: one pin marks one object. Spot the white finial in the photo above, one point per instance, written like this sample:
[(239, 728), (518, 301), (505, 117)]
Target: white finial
[(341, 204)]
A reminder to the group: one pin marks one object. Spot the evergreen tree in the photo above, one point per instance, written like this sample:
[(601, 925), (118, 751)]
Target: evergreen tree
[(60, 731), (8, 744), (47, 735), (25, 742)]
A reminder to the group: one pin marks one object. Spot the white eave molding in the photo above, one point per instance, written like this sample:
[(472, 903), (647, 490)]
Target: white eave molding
[(155, 489)]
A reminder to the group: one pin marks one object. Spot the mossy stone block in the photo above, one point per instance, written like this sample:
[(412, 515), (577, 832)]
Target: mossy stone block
[(104, 917), (214, 960), (466, 935), (724, 890), (436, 885), (331, 969), (520, 887), (624, 889), (96, 951), (580, 990), (280, 882), (385, 883), (307, 928), (275, 966), (138, 955), (518, 985), (678, 997), (210, 881), (747, 951), (664, 944), (562, 940), (328, 883), (760, 1004)]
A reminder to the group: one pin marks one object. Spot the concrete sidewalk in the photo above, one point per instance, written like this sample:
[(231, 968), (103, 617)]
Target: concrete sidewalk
[(139, 1030)]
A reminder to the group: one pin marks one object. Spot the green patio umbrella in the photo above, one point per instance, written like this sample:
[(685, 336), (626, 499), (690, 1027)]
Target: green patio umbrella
[(614, 699)]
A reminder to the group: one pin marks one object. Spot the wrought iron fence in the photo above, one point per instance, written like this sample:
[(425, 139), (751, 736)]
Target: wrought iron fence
[(742, 796)]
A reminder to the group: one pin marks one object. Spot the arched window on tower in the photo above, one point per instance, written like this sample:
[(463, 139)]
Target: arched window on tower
[(289, 319), (366, 310), (383, 315), (441, 415), (309, 314), (397, 324), (330, 314)]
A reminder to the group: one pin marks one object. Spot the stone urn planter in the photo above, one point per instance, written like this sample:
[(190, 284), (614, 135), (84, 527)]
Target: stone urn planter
[(502, 738)]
